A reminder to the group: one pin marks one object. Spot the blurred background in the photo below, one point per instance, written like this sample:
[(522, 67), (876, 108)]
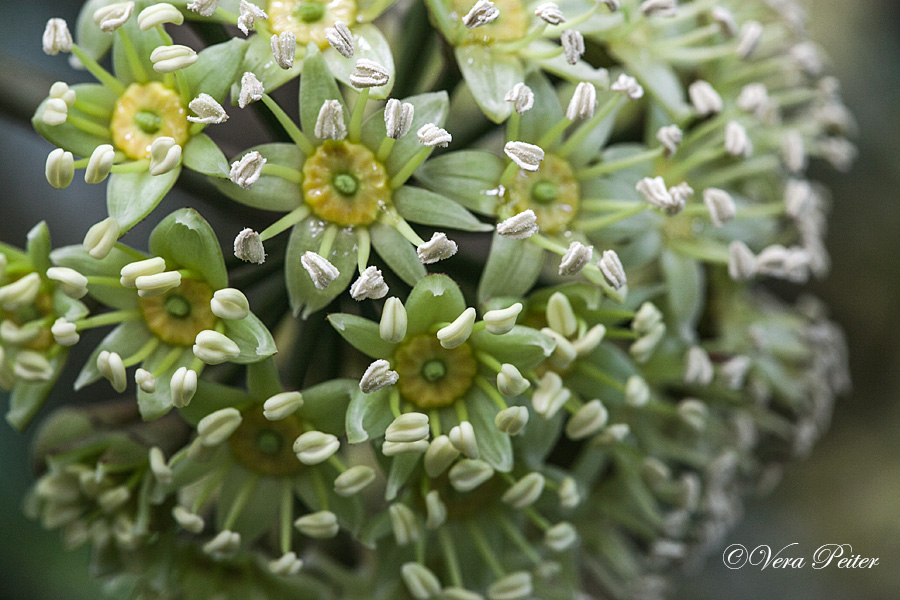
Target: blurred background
[(847, 492)]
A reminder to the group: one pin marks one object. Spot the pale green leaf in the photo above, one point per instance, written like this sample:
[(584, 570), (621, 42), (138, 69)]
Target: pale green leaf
[(494, 445), (252, 337), (471, 177), (512, 268), (325, 405), (130, 43), (368, 415), (27, 397), (38, 247), (435, 299), (316, 86), (126, 339), (159, 402), (428, 208), (69, 137), (399, 254), (490, 75), (523, 347), (402, 467), (201, 154), (76, 258), (362, 334), (686, 283), (216, 69), (186, 240)]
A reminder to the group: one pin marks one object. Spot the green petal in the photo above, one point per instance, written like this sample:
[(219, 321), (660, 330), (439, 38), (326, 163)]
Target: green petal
[(435, 299), (269, 192), (252, 337), (263, 380), (258, 60), (371, 45), (362, 334), (317, 86), (598, 137), (94, 41), (126, 339), (686, 285), (469, 176), (399, 254), (512, 268), (494, 445), (144, 43), (201, 154), (68, 308), (76, 258), (216, 68), (349, 511), (402, 467), (28, 397), (545, 113), (658, 79), (158, 403), (429, 108), (490, 75), (523, 347), (131, 197), (261, 509), (368, 415), (209, 398), (559, 66), (421, 206), (38, 247), (325, 405), (306, 236), (534, 444), (186, 240), (69, 137)]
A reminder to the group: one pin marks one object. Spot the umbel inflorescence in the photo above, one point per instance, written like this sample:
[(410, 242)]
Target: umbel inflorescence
[(505, 332)]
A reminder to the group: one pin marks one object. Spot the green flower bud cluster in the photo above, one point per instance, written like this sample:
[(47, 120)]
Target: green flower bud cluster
[(572, 406)]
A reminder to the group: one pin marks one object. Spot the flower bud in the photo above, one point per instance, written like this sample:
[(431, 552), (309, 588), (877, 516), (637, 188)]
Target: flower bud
[(502, 321), (408, 427), (637, 392), (161, 471), (165, 155), (520, 226), (560, 315), (230, 304), (225, 544), (159, 14), (215, 428), (369, 285), (431, 135), (64, 332), (462, 437), (514, 586), (512, 420), (56, 111), (420, 581), (705, 99), (368, 74), (249, 14), (32, 367), (249, 247), (101, 237), (145, 381), (560, 537), (525, 492), (319, 525), (112, 368), (395, 448), (284, 47), (481, 13), (583, 101), (320, 270), (698, 368), (341, 39), (526, 156), (378, 375), (613, 272), (510, 381), (549, 13), (149, 286), (468, 474), (183, 386), (60, 168), (587, 420), (56, 37), (286, 566), (168, 59), (435, 510), (456, 333), (131, 271), (569, 496), (573, 45), (353, 480), (246, 171), (330, 122), (628, 86), (280, 406), (440, 454), (72, 283), (670, 137), (404, 524), (208, 110), (392, 327), (100, 164), (252, 89), (694, 413), (314, 447), (188, 520), (522, 98)]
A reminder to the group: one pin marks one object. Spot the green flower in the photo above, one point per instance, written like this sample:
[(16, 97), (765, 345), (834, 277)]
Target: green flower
[(165, 313)]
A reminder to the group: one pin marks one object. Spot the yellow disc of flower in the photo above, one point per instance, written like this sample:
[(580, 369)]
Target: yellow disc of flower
[(266, 447), (177, 316), (551, 192), (142, 114), (432, 376), (511, 25), (343, 183), (308, 19)]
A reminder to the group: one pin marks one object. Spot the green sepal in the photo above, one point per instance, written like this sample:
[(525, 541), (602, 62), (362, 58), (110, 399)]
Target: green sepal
[(317, 86), (306, 236), (325, 404), (559, 66), (349, 511), (126, 339), (490, 75), (94, 41), (397, 252), (658, 79), (533, 445), (362, 334), (209, 398), (202, 155), (686, 285), (269, 192), (435, 299), (261, 511), (512, 268), (402, 467), (545, 113), (257, 59), (131, 197), (368, 415), (68, 308), (27, 397), (38, 247), (371, 45), (252, 337), (471, 177), (523, 347), (494, 445), (76, 258), (216, 68), (263, 380), (144, 43), (159, 402), (186, 240), (418, 205), (66, 135)]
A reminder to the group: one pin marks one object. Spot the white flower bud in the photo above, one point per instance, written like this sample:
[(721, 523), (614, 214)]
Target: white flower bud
[(435, 510), (587, 420), (642, 349), (56, 37), (550, 13), (159, 14), (741, 261), (60, 168), (168, 59), (734, 371), (321, 272), (100, 164), (462, 437), (145, 381), (215, 428), (560, 314), (522, 98), (112, 368), (395, 448), (392, 327), (165, 155), (524, 492), (468, 474), (502, 321), (319, 525), (188, 520), (694, 413), (575, 259), (353, 480), (230, 304), (111, 17), (520, 226), (149, 286), (280, 406), (225, 544), (560, 537), (369, 285), (213, 347), (408, 427), (583, 101), (161, 471), (439, 247), (590, 340), (378, 375), (637, 392), (510, 381), (404, 524), (612, 269), (208, 111), (737, 142), (315, 447), (284, 47), (568, 493), (32, 367), (628, 86), (724, 18), (341, 39), (514, 586), (249, 14), (249, 247), (550, 395), (286, 566), (573, 45), (72, 283), (330, 122), (246, 171), (481, 13), (440, 454), (705, 99), (252, 89), (368, 74), (130, 272), (420, 581), (56, 111), (432, 136), (398, 118), (751, 32), (670, 137), (526, 156), (456, 333), (64, 332), (654, 191), (183, 386), (664, 8)]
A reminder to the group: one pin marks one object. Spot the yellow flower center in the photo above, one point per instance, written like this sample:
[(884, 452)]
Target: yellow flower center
[(177, 316), (266, 447), (432, 376), (511, 25), (142, 114), (343, 183), (551, 192), (308, 19), (41, 308)]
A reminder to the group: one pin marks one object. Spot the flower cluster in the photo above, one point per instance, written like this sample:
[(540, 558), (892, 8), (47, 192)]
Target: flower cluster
[(572, 406)]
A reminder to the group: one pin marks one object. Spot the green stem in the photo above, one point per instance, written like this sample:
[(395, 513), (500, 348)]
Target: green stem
[(287, 515)]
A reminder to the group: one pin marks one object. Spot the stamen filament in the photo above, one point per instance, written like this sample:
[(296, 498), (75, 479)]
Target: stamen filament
[(708, 252), (395, 402), (101, 74), (606, 167), (384, 150), (531, 35), (516, 537), (512, 126), (170, 359), (328, 240), (552, 134), (111, 318), (321, 490), (134, 60), (363, 248), (492, 392), (145, 351), (135, 166), (240, 502), (354, 129), (607, 220), (484, 549), (88, 126), (286, 514), (284, 223), (292, 175), (450, 557), (91, 109), (297, 136), (434, 420), (599, 375), (409, 168), (588, 126), (748, 168), (400, 224)]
